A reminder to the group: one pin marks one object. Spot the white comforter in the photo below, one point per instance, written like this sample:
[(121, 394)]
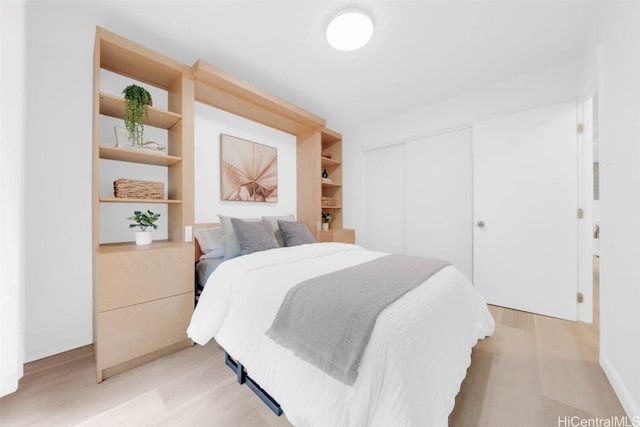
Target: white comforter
[(410, 372)]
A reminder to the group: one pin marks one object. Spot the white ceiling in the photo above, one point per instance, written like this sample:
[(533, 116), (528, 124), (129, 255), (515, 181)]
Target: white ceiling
[(421, 51)]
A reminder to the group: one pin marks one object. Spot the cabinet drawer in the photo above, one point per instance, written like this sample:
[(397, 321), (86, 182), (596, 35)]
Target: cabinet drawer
[(133, 277), (342, 235), (134, 331)]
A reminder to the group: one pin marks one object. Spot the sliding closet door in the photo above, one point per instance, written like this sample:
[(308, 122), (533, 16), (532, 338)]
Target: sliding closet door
[(525, 208), (438, 198), (384, 227)]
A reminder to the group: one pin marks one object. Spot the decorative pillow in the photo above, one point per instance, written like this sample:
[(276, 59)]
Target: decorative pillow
[(229, 239), (295, 233), (253, 236), (210, 241), (273, 222)]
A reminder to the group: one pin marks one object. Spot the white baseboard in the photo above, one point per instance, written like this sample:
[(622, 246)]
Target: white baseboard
[(631, 407)]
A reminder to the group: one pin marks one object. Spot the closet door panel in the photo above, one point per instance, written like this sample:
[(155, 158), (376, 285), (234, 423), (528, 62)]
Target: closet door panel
[(525, 209), (384, 227), (439, 198)]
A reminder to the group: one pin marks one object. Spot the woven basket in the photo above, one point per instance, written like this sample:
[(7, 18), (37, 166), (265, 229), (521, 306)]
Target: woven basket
[(132, 189)]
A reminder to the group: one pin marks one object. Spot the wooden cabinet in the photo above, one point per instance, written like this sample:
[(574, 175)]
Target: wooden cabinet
[(342, 235), (143, 295)]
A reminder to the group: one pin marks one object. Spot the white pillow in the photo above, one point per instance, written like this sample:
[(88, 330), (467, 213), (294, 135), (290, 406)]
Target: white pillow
[(210, 241)]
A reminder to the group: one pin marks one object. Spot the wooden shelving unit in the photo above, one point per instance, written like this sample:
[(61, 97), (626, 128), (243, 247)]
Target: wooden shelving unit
[(219, 89), (331, 142), (143, 295)]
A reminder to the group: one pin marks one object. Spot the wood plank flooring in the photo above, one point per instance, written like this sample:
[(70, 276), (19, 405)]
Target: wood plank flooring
[(531, 371)]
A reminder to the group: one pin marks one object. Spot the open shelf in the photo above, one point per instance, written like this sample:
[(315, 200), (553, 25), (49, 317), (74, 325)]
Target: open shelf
[(113, 106), (148, 157), (330, 137), (123, 200), (331, 207), (330, 185), (327, 162)]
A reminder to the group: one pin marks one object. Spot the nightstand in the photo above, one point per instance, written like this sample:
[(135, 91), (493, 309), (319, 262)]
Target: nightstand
[(343, 235)]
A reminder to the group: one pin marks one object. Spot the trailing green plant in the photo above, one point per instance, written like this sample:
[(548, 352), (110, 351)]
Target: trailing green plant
[(136, 102), (326, 217), (144, 220)]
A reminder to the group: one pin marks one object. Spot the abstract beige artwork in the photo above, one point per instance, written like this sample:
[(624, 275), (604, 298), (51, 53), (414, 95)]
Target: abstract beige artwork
[(248, 171)]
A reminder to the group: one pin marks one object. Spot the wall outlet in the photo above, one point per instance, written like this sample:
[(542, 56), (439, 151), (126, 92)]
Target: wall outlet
[(188, 234)]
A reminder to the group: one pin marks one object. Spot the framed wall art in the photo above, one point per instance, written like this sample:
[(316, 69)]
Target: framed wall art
[(248, 171)]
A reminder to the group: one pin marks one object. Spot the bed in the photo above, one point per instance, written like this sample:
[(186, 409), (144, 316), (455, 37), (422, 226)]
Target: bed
[(411, 369)]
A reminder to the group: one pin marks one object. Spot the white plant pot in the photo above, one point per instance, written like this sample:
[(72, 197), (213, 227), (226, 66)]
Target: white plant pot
[(325, 226), (143, 238)]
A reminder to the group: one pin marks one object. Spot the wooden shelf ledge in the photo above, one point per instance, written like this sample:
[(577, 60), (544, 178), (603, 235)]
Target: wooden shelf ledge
[(133, 155), (331, 207), (220, 89), (327, 162), (122, 200), (113, 106), (330, 185), (108, 248)]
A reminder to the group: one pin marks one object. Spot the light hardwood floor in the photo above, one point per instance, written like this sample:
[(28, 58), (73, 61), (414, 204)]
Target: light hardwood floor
[(531, 371)]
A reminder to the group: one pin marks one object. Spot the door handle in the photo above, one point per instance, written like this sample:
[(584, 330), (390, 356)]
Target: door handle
[(480, 224)]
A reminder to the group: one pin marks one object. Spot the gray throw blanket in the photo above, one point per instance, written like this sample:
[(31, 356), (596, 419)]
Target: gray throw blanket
[(328, 320)]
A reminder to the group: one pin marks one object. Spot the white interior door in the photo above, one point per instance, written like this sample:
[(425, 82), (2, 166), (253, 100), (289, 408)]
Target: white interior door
[(525, 238), (438, 198), (384, 227)]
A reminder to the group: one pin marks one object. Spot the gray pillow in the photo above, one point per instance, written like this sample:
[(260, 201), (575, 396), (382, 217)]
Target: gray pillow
[(229, 239), (295, 233), (273, 222), (253, 236)]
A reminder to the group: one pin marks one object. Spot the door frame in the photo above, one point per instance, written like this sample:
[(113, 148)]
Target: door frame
[(585, 201)]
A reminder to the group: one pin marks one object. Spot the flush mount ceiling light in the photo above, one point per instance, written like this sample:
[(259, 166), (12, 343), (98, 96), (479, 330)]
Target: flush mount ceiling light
[(350, 30)]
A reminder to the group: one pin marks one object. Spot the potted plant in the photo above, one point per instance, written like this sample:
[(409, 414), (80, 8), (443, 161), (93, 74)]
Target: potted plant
[(144, 220), (136, 102), (326, 219)]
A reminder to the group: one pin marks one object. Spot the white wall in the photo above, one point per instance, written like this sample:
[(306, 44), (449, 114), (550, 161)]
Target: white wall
[(59, 52), (12, 179), (209, 124), (619, 150)]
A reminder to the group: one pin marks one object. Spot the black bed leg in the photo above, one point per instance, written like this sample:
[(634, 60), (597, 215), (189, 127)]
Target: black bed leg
[(235, 367), (244, 378)]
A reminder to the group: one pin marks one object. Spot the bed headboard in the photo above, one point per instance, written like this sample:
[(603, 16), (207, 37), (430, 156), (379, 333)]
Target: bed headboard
[(196, 245)]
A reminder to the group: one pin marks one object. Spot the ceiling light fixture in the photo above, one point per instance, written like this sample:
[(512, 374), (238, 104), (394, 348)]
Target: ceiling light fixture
[(349, 30)]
